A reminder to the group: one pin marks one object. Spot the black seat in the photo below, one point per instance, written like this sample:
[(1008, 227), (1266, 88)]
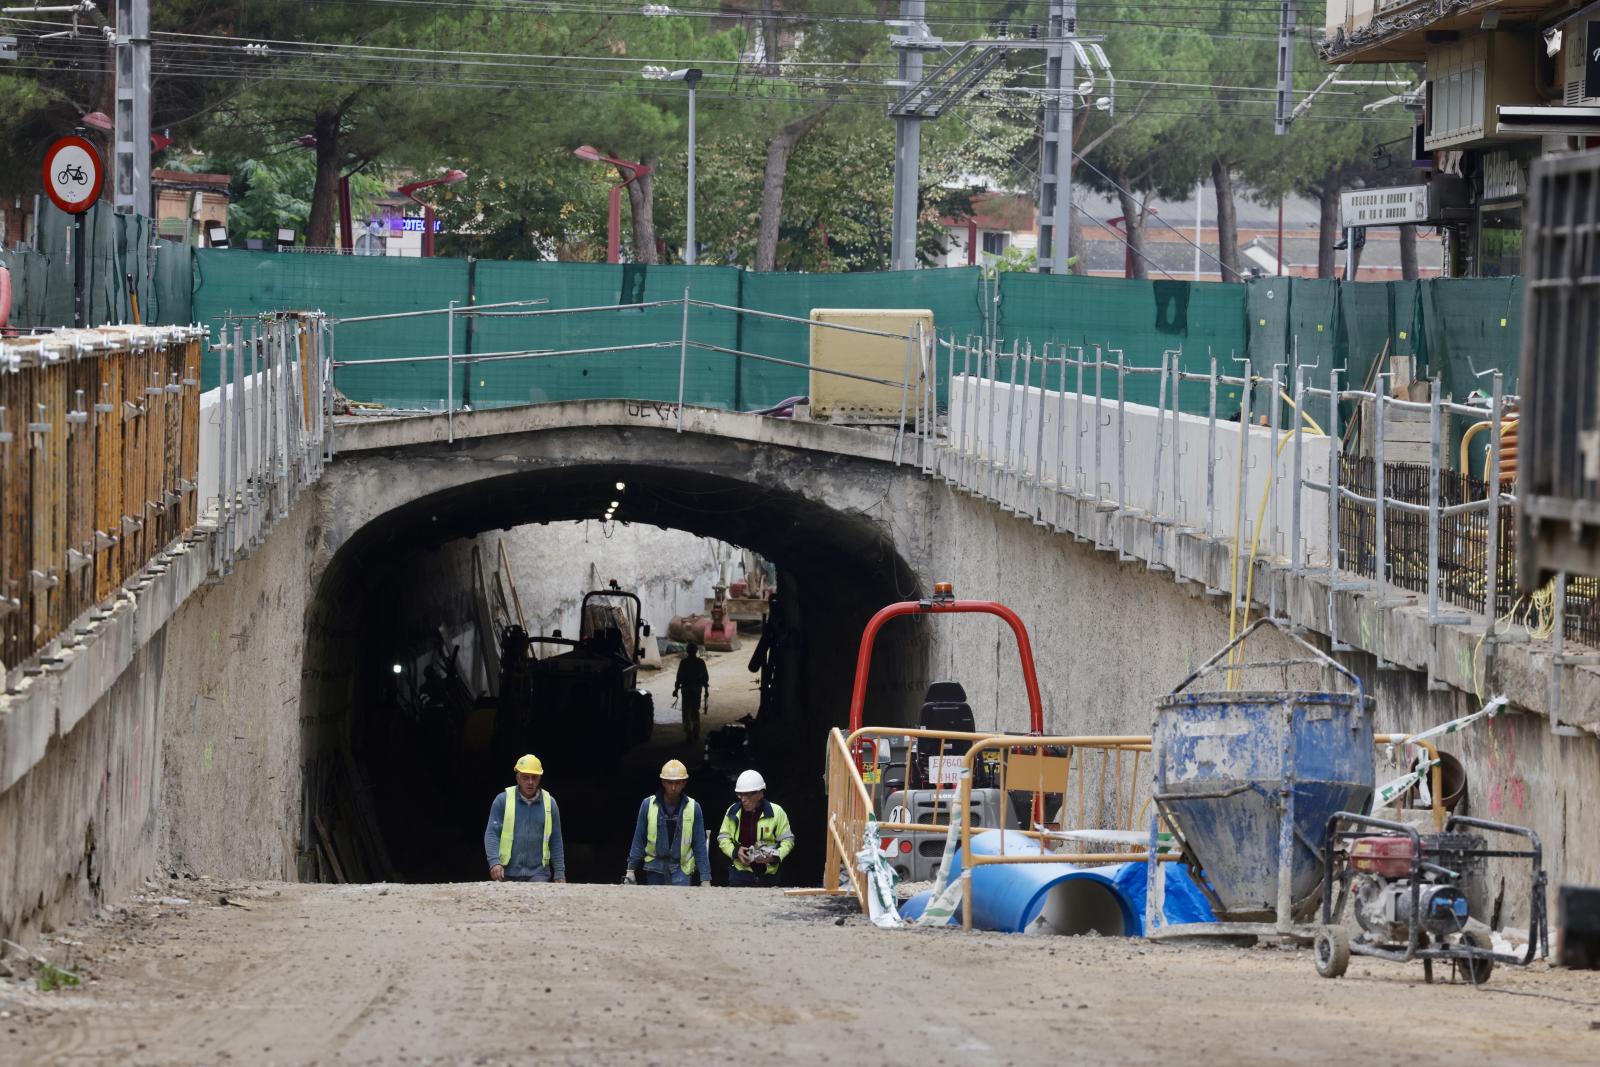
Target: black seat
[(944, 707)]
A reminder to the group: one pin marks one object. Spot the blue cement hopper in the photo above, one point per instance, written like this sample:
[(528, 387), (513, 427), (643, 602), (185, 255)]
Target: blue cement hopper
[(1247, 779)]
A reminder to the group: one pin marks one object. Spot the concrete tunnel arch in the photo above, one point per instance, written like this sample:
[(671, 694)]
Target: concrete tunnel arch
[(838, 561)]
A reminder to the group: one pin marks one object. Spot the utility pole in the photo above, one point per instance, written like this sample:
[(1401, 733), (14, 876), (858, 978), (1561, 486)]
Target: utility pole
[(908, 134), (1284, 112), (1055, 171), (130, 150)]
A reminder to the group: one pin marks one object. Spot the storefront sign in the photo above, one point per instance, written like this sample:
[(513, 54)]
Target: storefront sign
[(1383, 207), (1502, 176)]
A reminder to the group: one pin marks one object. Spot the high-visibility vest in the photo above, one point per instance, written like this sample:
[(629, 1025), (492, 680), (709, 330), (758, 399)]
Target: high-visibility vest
[(772, 828), (652, 825), (509, 823)]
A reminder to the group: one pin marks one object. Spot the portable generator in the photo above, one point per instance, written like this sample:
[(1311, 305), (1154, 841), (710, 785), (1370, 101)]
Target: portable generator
[(1408, 894)]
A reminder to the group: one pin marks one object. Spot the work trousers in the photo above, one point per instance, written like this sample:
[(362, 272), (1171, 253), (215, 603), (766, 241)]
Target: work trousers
[(740, 879), (676, 877)]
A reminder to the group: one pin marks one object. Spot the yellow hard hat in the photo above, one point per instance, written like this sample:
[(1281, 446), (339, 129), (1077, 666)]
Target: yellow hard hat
[(674, 771), (529, 764)]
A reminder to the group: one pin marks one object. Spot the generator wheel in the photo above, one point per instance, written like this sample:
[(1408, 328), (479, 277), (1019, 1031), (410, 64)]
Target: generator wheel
[(1476, 969), (1332, 951)]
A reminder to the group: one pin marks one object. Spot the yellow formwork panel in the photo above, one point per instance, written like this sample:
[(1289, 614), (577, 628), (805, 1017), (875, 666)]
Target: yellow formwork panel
[(884, 358)]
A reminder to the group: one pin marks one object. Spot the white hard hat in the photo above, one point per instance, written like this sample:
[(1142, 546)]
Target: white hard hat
[(750, 782)]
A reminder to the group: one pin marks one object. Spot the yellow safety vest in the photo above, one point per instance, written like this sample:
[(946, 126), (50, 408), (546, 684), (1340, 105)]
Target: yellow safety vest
[(652, 824), (509, 823), (771, 829)]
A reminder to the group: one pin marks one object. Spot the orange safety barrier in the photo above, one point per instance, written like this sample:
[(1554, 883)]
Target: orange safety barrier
[(1097, 779)]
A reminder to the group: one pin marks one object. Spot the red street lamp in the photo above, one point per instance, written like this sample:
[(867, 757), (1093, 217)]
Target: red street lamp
[(409, 191), (634, 172)]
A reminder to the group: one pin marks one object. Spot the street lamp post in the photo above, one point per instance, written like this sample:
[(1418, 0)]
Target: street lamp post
[(690, 76), (634, 172), (409, 191)]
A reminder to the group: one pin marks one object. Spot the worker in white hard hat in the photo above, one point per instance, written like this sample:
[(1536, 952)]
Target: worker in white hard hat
[(755, 834), (669, 838), (522, 842)]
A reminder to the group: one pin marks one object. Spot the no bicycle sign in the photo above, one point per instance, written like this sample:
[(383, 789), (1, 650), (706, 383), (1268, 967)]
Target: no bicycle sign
[(73, 174)]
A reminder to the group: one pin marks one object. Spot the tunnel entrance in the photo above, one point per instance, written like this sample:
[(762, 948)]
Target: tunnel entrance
[(407, 790)]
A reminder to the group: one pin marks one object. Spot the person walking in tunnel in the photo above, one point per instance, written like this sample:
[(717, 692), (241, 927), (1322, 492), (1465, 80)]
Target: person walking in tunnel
[(755, 834), (693, 680), (669, 836), (522, 842)]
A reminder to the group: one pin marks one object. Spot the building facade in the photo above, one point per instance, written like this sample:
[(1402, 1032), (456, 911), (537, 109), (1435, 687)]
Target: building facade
[(1502, 82)]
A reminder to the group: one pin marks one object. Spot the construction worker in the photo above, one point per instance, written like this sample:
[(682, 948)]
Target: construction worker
[(755, 834), (523, 839), (670, 835), (693, 680)]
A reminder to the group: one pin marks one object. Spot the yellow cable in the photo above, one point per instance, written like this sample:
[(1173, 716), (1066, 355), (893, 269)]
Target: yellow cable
[(1466, 439), (1236, 657)]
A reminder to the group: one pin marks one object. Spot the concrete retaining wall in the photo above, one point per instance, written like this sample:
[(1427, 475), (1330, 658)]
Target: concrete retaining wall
[(172, 737)]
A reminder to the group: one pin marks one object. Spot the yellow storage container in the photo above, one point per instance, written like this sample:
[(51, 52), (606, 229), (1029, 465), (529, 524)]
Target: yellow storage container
[(840, 399)]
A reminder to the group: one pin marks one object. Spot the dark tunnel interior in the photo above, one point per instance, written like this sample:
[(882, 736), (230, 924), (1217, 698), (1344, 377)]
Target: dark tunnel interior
[(424, 787)]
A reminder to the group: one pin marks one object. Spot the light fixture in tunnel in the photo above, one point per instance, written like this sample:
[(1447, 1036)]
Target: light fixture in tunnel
[(615, 504), (399, 669), (621, 486)]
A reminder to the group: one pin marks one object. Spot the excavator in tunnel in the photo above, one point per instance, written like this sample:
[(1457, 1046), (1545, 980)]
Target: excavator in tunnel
[(579, 703)]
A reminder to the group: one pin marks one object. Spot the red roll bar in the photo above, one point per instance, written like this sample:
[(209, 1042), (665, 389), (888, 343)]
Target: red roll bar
[(858, 697)]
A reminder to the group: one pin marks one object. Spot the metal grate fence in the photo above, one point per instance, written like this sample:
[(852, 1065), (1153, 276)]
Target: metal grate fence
[(1463, 545)]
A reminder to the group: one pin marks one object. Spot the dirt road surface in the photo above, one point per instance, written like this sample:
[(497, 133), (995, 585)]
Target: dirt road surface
[(493, 973)]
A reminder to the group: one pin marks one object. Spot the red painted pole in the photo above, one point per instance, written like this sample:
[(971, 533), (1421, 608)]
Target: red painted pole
[(614, 226), (1030, 680), (427, 231)]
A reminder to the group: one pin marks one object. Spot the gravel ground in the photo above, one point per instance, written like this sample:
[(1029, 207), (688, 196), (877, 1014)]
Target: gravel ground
[(490, 973)]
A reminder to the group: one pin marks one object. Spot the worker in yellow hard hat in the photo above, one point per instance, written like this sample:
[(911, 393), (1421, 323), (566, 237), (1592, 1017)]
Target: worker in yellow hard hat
[(523, 839), (669, 838)]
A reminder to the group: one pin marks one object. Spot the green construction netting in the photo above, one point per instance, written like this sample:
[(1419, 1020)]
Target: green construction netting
[(617, 370), (233, 286), (952, 296), (1141, 319), (30, 278), (174, 283), (1450, 326), (116, 247)]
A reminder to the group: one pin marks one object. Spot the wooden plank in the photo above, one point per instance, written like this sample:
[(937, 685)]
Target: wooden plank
[(190, 467), (16, 509), (49, 533), (326, 841), (108, 472), (82, 375), (154, 456), (134, 420)]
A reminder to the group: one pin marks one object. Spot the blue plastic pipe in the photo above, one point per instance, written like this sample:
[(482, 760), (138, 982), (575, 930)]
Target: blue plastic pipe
[(1061, 898)]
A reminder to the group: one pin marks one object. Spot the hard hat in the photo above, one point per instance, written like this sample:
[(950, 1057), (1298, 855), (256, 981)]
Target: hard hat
[(674, 771), (750, 782), (529, 764)]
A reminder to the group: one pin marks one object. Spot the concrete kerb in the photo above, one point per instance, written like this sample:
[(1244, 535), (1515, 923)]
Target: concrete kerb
[(363, 433)]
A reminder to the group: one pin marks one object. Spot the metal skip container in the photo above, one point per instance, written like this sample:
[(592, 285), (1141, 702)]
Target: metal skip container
[(1247, 779)]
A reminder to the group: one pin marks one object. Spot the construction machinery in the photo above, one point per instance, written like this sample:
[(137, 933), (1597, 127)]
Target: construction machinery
[(1408, 892), (917, 777), (1246, 780), (586, 699)]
